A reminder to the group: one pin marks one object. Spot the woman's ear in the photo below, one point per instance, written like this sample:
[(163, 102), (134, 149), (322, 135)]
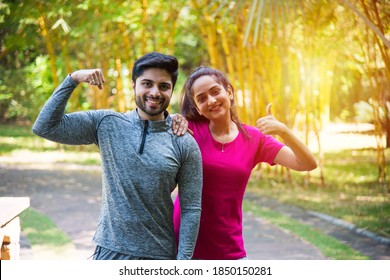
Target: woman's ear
[(193, 105), (230, 93), (196, 107)]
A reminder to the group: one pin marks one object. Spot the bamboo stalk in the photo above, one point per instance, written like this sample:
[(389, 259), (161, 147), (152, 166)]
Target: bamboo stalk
[(49, 48)]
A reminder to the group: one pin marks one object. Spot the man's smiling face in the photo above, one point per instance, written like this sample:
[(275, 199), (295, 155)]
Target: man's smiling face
[(153, 92)]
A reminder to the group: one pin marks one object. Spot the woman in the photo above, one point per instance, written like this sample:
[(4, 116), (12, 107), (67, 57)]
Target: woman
[(230, 150)]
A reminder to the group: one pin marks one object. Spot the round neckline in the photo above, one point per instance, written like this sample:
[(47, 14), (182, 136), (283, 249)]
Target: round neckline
[(219, 145)]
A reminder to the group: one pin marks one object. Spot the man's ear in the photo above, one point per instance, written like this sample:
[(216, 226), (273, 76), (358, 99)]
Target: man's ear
[(133, 85)]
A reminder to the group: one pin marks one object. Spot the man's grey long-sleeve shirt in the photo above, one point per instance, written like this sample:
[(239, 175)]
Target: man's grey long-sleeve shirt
[(142, 162)]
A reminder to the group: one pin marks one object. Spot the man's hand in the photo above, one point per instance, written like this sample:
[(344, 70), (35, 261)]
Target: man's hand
[(90, 76)]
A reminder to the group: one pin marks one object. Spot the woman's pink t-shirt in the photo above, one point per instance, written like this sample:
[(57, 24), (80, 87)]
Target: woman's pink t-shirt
[(226, 171)]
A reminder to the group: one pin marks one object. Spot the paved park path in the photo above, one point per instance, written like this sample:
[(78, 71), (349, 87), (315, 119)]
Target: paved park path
[(70, 196)]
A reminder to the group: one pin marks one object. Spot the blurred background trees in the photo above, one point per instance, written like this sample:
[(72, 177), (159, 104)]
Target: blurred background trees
[(317, 61)]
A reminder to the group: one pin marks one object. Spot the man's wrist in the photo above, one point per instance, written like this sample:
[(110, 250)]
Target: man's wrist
[(72, 79)]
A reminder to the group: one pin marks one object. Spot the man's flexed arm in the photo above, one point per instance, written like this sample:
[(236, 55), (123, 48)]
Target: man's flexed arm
[(75, 128)]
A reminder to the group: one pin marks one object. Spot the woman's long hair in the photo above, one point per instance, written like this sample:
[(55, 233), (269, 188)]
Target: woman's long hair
[(187, 102)]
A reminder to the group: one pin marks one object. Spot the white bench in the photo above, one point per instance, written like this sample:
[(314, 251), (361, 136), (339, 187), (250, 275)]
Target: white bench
[(10, 209)]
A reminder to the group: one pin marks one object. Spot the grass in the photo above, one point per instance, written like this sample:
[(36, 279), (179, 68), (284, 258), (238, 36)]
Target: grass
[(41, 230), (329, 246), (15, 131), (19, 143), (46, 239)]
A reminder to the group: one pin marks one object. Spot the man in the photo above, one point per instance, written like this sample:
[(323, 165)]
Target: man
[(142, 162)]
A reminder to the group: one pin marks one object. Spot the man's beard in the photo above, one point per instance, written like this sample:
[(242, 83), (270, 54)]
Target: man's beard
[(161, 107)]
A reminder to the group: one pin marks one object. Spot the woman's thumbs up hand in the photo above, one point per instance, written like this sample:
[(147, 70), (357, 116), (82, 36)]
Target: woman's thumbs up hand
[(270, 125)]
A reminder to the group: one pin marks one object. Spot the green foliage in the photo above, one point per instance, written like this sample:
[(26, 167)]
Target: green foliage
[(43, 40), (90, 34), (39, 79), (189, 45), (23, 91)]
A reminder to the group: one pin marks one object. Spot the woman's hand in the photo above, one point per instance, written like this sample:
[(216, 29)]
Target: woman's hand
[(270, 125), (295, 155), (180, 125)]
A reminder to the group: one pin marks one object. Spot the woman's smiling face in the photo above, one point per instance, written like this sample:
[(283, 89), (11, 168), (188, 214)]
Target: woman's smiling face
[(212, 100)]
